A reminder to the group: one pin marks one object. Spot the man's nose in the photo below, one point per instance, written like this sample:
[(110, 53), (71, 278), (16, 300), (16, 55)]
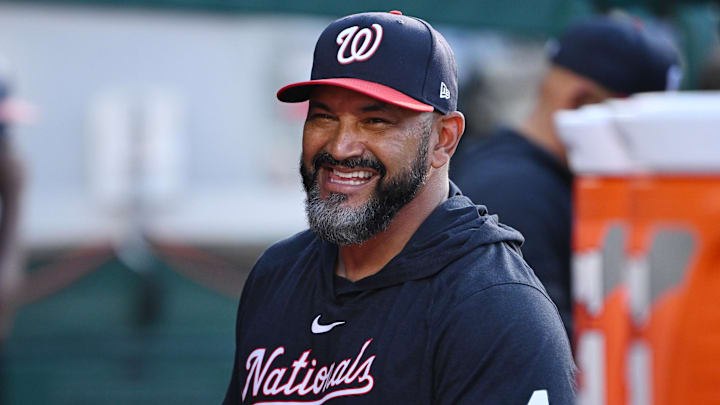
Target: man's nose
[(345, 143)]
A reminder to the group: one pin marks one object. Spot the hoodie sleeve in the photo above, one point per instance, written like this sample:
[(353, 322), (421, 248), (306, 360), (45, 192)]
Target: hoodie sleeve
[(504, 344)]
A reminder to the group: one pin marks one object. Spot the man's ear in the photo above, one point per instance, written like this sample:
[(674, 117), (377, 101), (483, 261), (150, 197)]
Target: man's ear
[(580, 96), (450, 128), (585, 93)]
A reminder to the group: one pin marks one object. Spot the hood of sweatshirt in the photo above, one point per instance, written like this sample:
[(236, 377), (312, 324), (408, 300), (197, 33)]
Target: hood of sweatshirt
[(454, 228)]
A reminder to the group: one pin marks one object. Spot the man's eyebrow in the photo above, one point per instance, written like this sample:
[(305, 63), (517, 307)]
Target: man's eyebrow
[(379, 106), (317, 104)]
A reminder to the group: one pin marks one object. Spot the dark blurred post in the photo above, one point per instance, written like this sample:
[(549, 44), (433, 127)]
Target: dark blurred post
[(11, 180)]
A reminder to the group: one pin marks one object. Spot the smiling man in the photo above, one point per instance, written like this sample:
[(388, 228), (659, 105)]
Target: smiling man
[(402, 291)]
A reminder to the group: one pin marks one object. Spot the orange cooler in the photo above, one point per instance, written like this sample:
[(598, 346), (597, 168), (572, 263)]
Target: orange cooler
[(602, 323), (675, 291), (646, 246)]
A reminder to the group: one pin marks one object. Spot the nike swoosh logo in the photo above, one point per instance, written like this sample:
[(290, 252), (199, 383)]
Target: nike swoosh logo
[(316, 328)]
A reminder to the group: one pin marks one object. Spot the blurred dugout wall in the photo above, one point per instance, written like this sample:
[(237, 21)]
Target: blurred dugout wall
[(157, 133)]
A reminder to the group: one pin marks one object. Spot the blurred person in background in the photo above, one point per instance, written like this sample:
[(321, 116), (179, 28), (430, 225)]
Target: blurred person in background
[(521, 174), (11, 180), (710, 73), (403, 291)]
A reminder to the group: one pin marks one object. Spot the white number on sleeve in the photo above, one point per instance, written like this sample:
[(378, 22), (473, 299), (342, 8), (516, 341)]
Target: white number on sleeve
[(539, 397)]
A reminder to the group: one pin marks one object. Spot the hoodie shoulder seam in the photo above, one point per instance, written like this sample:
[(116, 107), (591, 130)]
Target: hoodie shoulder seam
[(482, 290)]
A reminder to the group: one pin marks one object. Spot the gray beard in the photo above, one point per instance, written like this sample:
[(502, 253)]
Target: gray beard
[(341, 225), (332, 222)]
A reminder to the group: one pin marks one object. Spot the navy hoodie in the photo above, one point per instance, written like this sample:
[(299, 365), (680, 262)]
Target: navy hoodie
[(457, 317)]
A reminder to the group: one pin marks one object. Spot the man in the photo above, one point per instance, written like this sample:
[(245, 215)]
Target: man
[(522, 174), (402, 291)]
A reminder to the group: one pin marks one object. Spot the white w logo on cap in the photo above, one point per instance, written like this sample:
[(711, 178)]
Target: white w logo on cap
[(358, 53)]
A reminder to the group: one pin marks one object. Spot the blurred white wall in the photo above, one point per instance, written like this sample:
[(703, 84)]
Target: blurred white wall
[(102, 78)]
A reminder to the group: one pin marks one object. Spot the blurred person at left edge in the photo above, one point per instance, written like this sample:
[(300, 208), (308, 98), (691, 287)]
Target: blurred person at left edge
[(402, 291), (12, 110)]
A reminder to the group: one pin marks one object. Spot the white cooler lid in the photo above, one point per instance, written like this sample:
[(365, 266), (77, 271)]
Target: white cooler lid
[(676, 132)]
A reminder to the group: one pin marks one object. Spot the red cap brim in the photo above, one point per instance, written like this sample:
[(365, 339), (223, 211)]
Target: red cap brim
[(297, 92)]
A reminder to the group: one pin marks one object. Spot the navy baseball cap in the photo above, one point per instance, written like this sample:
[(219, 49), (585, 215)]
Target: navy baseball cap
[(617, 54), (394, 58)]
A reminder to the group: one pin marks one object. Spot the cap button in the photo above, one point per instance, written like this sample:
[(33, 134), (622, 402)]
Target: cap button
[(396, 12)]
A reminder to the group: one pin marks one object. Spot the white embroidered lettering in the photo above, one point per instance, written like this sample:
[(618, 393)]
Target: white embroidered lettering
[(320, 380), (297, 365), (272, 384), (327, 377), (348, 379), (339, 373), (254, 366)]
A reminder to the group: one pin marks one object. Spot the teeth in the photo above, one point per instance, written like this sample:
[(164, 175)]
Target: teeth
[(354, 178), (350, 182), (361, 174)]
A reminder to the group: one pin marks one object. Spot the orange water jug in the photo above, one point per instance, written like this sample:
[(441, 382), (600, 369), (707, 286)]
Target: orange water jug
[(646, 243)]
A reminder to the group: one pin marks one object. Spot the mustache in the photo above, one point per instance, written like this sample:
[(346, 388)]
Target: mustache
[(324, 158)]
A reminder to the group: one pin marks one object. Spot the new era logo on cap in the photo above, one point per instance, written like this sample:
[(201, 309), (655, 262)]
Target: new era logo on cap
[(391, 57), (444, 91)]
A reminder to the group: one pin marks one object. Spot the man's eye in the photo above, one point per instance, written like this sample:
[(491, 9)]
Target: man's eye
[(377, 120)]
